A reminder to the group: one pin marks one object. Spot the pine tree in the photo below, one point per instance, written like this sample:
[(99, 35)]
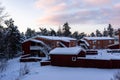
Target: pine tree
[(30, 33), (75, 35), (66, 29), (1, 39), (44, 31), (59, 32), (12, 39), (92, 34), (98, 33), (105, 33), (81, 35), (110, 30), (2, 14), (52, 32)]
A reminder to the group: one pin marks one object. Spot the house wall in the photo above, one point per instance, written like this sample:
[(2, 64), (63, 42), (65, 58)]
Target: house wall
[(82, 54), (114, 46), (53, 43), (72, 43), (50, 43), (99, 44), (65, 60), (60, 60), (26, 47), (65, 43)]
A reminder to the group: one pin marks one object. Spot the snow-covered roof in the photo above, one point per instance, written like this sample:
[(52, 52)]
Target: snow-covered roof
[(99, 38), (66, 51), (103, 55), (85, 42), (113, 44), (33, 40), (66, 39)]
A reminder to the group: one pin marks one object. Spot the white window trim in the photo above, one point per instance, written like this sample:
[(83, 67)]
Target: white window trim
[(74, 58)]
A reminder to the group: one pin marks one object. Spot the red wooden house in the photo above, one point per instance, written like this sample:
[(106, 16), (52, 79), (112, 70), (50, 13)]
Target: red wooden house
[(99, 42), (35, 45), (116, 45), (66, 56), (56, 41)]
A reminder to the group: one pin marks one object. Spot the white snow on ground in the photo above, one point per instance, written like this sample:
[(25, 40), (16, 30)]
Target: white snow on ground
[(38, 72), (102, 54)]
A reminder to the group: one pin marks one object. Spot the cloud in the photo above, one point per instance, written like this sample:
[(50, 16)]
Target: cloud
[(79, 11), (97, 3)]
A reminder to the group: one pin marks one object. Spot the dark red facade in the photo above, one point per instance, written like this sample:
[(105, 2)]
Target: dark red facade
[(26, 47), (99, 44), (93, 63), (51, 43), (65, 60), (115, 46)]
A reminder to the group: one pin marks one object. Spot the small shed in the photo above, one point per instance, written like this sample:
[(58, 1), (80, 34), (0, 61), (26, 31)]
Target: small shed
[(66, 56)]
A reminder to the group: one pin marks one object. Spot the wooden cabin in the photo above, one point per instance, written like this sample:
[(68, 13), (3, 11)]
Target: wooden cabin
[(116, 45), (35, 45), (66, 56), (99, 42), (56, 41)]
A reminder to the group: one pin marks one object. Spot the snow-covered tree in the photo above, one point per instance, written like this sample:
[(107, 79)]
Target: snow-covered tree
[(12, 39), (30, 33), (105, 33), (59, 32), (75, 35), (2, 14), (116, 76), (44, 31), (110, 30), (66, 29), (98, 33), (23, 37), (52, 32), (92, 34), (81, 35)]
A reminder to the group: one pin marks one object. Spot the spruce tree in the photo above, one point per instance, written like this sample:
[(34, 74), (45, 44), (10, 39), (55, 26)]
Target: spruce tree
[(110, 30), (66, 29), (12, 39)]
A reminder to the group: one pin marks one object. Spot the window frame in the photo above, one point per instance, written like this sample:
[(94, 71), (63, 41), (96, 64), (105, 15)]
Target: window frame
[(74, 58)]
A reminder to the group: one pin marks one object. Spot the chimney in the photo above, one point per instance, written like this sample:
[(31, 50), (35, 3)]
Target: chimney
[(119, 37)]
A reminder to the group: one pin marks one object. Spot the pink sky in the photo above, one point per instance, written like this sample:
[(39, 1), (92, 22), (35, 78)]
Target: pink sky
[(80, 14)]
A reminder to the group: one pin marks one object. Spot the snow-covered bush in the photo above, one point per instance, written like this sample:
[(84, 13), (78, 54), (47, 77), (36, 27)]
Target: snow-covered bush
[(116, 76), (24, 69), (3, 65)]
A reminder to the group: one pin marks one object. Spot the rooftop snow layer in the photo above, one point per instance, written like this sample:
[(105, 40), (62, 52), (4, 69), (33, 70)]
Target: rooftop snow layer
[(33, 40), (99, 38), (66, 39), (66, 51), (37, 41), (85, 42)]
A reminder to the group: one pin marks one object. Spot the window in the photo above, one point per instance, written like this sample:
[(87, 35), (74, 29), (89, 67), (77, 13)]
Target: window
[(98, 42), (94, 47), (94, 42), (73, 58), (110, 41)]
